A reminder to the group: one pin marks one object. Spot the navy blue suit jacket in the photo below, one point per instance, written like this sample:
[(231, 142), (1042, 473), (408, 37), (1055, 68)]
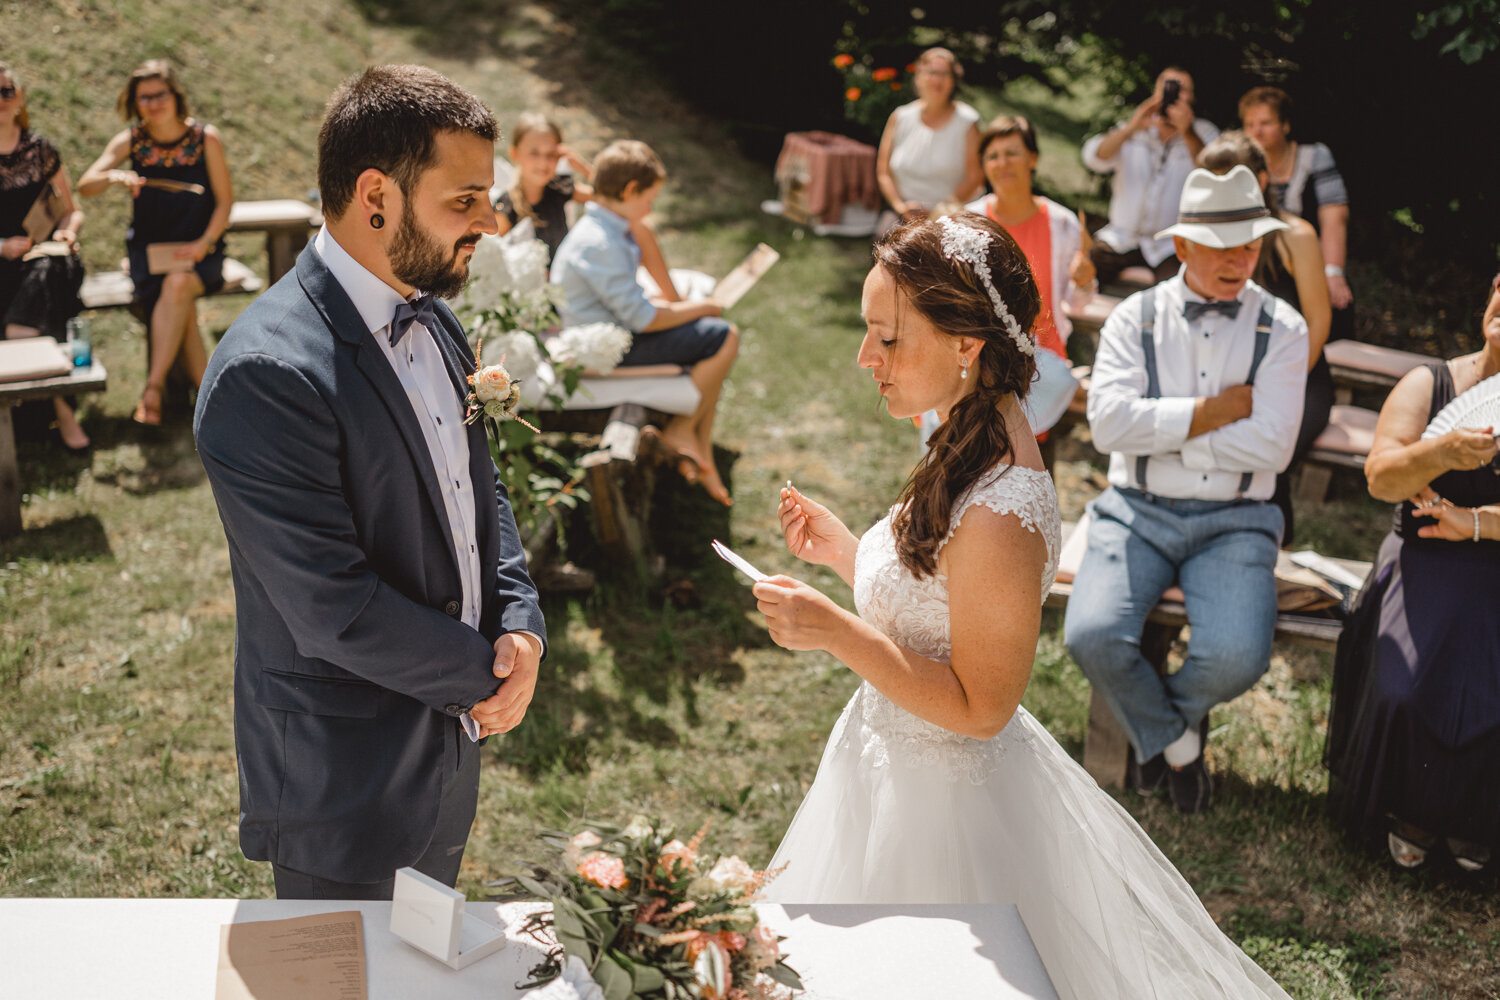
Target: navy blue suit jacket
[(351, 661)]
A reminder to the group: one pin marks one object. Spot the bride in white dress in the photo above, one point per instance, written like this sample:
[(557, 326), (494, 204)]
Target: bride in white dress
[(936, 786)]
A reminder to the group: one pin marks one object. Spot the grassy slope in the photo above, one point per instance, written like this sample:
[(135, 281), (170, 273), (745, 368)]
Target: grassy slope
[(116, 764)]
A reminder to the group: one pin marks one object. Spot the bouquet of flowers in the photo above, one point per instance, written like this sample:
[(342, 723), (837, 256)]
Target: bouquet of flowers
[(652, 917)]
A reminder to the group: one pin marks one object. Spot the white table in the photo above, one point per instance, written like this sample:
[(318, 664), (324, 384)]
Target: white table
[(161, 949)]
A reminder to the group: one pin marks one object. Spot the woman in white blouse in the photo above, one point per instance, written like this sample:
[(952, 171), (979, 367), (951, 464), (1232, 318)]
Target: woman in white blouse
[(929, 152)]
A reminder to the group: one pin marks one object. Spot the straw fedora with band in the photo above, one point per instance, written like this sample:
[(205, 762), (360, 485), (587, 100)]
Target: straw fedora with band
[(1222, 211)]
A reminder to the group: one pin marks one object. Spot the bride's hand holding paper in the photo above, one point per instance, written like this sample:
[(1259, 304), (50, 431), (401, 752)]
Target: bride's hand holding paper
[(799, 616)]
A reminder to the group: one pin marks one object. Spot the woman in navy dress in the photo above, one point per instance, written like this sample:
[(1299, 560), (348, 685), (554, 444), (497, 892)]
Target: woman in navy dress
[(1414, 730), (180, 181)]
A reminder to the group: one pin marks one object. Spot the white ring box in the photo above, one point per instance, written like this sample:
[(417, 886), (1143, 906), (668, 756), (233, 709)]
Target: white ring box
[(430, 917)]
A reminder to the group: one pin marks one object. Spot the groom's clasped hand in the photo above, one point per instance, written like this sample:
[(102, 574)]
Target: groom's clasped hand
[(798, 615), (517, 657)]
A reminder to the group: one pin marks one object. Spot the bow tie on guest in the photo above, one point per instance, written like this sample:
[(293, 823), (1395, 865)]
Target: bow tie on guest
[(1197, 310), (418, 310)]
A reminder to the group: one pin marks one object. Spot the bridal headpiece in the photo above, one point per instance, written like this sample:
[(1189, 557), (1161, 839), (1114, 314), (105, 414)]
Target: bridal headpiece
[(972, 246)]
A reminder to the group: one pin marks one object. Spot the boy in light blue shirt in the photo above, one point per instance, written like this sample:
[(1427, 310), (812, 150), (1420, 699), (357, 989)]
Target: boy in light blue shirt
[(596, 267)]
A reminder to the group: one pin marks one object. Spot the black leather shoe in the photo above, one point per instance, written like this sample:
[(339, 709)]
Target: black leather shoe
[(1192, 789), (1147, 778)]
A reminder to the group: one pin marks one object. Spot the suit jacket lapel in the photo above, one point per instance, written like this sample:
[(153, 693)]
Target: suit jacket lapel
[(344, 320)]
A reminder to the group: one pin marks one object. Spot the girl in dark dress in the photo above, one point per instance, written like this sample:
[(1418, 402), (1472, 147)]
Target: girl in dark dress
[(1290, 268), (180, 181), (1414, 729), (539, 193), (37, 296)]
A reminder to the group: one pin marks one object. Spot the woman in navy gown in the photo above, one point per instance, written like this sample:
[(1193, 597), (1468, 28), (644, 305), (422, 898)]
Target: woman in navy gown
[(1414, 730)]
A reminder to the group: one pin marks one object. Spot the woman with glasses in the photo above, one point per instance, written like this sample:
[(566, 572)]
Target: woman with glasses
[(929, 152), (38, 291), (1414, 726), (179, 179)]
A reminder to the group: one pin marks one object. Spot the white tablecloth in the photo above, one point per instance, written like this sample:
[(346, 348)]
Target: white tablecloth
[(162, 949)]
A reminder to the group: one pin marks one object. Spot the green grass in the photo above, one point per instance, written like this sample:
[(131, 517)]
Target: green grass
[(117, 773)]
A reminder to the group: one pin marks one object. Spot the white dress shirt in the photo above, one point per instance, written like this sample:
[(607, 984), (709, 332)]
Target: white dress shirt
[(1198, 359), (1145, 190), (419, 365)]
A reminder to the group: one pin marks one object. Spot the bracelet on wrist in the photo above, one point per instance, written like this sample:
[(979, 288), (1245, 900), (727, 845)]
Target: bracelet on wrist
[(1475, 512), (1333, 271)]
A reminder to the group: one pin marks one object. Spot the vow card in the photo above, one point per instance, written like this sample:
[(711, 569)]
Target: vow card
[(728, 555)]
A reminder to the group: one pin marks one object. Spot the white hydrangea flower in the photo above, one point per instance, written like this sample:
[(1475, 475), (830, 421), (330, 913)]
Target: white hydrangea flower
[(595, 346), (527, 264)]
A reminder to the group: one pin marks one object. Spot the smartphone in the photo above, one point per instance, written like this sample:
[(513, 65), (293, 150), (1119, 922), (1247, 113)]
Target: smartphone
[(1171, 90)]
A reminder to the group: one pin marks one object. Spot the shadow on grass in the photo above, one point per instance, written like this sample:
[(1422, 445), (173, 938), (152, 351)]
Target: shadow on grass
[(625, 661), (76, 539)]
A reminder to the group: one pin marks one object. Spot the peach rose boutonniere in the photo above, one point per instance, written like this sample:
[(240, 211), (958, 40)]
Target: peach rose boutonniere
[(493, 394)]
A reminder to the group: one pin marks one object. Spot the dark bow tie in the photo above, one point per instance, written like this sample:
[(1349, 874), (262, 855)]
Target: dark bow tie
[(1197, 310), (419, 310)]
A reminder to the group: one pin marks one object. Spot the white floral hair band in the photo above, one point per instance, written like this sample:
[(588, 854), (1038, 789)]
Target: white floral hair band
[(972, 246)]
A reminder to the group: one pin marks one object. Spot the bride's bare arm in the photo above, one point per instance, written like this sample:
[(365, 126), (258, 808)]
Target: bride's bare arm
[(994, 567)]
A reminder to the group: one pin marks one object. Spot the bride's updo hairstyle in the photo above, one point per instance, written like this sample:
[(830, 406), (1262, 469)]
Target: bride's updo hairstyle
[(932, 262)]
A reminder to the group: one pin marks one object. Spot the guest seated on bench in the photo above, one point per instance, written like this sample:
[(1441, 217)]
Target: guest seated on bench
[(1051, 236), (37, 296), (596, 267), (1196, 394), (1150, 156), (1308, 184), (1414, 728), (1290, 268), (539, 193), (179, 179)]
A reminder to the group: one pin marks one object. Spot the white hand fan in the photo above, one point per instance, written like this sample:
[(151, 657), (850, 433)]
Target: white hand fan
[(1478, 407)]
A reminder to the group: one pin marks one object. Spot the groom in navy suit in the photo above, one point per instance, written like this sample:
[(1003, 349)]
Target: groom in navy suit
[(385, 621)]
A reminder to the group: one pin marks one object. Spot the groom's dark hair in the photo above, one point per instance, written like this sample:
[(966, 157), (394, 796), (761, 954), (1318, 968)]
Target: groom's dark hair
[(387, 119)]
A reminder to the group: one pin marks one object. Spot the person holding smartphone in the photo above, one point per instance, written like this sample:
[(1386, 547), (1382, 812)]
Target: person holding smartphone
[(1149, 155)]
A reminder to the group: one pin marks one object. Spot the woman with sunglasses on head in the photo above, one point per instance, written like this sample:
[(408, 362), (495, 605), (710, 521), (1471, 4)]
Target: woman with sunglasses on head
[(179, 179), (1414, 726), (37, 295)]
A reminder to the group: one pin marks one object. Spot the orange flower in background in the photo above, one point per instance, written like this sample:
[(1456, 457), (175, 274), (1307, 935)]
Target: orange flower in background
[(883, 74), (911, 67), (843, 60), (896, 85), (852, 94)]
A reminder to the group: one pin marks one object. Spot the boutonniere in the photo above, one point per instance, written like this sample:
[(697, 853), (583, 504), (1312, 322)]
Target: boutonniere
[(493, 393)]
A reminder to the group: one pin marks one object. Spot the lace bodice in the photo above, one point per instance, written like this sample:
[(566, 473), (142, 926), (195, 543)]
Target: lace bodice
[(914, 613)]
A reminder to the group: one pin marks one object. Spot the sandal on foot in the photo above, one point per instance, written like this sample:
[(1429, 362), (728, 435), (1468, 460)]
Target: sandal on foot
[(1469, 856), (148, 410), (1409, 845)]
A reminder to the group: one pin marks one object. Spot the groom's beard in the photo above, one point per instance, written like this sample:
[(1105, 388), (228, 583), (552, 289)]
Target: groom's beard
[(419, 260)]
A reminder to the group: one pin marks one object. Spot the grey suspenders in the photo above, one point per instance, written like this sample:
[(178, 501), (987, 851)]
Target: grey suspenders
[(1153, 383)]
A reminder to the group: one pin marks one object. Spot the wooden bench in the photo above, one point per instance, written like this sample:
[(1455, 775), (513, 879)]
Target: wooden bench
[(287, 223), (114, 290), (1106, 749), (1365, 366), (80, 380)]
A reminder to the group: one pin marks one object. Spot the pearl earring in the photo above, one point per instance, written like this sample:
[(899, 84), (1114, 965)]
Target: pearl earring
[(963, 367)]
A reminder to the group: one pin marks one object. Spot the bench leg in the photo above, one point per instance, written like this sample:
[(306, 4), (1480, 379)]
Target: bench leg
[(10, 477), (1312, 483), (282, 248), (1106, 750), (620, 506)]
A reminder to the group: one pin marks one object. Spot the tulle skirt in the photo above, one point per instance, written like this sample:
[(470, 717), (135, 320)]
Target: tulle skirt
[(910, 814)]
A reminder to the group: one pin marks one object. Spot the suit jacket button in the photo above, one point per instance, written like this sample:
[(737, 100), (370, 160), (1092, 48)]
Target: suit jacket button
[(454, 709), (451, 609)]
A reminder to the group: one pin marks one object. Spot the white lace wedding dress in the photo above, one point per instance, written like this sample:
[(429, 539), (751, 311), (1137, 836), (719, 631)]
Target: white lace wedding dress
[(903, 811)]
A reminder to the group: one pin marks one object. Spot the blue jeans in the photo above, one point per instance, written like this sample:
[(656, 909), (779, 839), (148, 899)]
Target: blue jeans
[(1222, 553)]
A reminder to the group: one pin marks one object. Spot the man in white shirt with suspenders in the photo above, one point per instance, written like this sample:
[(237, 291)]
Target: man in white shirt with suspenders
[(1196, 394)]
